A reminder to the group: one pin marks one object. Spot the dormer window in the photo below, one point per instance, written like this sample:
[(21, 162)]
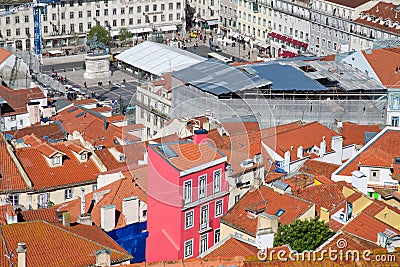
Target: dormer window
[(56, 161), (84, 156), (121, 157)]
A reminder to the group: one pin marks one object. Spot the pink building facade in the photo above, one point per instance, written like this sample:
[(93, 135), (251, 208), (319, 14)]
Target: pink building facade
[(187, 196)]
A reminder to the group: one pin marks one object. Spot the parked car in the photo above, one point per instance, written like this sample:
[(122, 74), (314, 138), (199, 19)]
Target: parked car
[(215, 47)]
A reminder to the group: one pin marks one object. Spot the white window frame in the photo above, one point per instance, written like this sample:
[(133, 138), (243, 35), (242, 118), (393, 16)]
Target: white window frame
[(202, 187), (222, 208), (84, 156), (187, 198), (204, 221), (187, 242), (203, 238), (56, 160), (45, 196), (215, 235), (191, 223), (68, 193), (217, 183), (13, 199)]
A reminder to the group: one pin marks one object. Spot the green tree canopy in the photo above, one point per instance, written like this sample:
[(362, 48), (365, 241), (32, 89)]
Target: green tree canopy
[(303, 234), (124, 34), (102, 34)]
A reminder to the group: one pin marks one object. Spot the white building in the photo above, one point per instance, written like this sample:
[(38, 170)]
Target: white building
[(66, 23)]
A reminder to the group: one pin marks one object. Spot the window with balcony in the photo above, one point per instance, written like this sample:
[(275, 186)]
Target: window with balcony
[(202, 186), (189, 219), (188, 248), (218, 207), (43, 200), (187, 191), (203, 243)]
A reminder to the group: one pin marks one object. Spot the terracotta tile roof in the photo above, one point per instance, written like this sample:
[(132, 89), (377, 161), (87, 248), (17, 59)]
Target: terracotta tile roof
[(17, 99), (48, 150), (367, 227), (4, 54), (378, 14), (77, 148), (234, 128), (232, 247), (65, 249), (354, 133), (116, 118), (108, 159), (352, 243), (307, 136), (85, 101), (91, 127), (11, 178), (43, 176), (32, 140), (48, 215), (118, 190), (299, 181), (102, 109), (53, 131), (165, 82), (325, 195), (189, 155), (380, 153), (317, 168), (273, 176), (237, 218), (6, 210)]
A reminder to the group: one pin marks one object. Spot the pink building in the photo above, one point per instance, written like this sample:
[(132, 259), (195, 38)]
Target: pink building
[(187, 196)]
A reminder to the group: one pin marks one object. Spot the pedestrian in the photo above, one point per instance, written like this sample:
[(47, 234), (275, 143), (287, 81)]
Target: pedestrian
[(124, 80), (109, 82), (84, 84), (249, 54)]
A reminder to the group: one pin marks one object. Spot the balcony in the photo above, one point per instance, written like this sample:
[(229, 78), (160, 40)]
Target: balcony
[(205, 227), (210, 195)]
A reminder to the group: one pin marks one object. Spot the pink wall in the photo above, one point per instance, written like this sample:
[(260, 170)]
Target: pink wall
[(163, 217), (166, 220)]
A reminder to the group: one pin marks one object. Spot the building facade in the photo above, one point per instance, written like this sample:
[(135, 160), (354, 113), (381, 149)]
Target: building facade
[(187, 195), (66, 23)]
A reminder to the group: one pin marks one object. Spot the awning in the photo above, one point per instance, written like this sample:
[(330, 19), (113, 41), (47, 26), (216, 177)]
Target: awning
[(212, 22), (140, 30), (289, 40), (246, 39), (230, 34), (168, 28), (272, 34), (305, 45), (278, 36), (236, 35), (114, 33), (298, 43), (54, 52), (283, 38)]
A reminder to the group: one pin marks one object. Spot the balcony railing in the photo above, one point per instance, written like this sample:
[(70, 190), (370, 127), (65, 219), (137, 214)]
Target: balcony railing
[(209, 195), (205, 227)]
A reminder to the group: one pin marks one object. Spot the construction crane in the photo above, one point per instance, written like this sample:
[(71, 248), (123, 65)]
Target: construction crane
[(38, 7)]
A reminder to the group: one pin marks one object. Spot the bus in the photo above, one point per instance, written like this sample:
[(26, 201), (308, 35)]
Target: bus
[(219, 57)]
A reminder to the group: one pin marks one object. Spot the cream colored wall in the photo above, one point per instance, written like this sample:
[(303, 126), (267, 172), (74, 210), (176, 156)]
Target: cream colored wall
[(227, 230), (360, 204), (310, 213), (390, 217)]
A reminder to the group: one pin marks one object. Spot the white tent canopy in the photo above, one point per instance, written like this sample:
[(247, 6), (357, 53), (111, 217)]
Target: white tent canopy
[(158, 58)]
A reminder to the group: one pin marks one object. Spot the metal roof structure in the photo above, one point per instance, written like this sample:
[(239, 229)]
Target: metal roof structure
[(219, 78), (278, 74), (157, 58)]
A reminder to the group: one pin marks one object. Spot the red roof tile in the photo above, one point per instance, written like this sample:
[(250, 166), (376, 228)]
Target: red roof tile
[(11, 179), (352, 243), (232, 247), (189, 155), (4, 54), (367, 227), (134, 184), (381, 153), (317, 168), (52, 131), (17, 99), (108, 159), (48, 215), (237, 216), (70, 172), (65, 249), (91, 127), (5, 211), (354, 133), (352, 4), (76, 148), (47, 150)]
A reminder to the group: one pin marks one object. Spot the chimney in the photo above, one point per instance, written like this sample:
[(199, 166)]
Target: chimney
[(108, 217), (322, 148), (286, 161), (103, 258), (200, 136), (85, 219), (21, 250), (131, 209), (300, 152), (267, 226), (66, 219), (337, 146), (83, 208)]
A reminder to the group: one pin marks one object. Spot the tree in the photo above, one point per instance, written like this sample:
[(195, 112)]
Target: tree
[(303, 234), (124, 34), (102, 34)]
